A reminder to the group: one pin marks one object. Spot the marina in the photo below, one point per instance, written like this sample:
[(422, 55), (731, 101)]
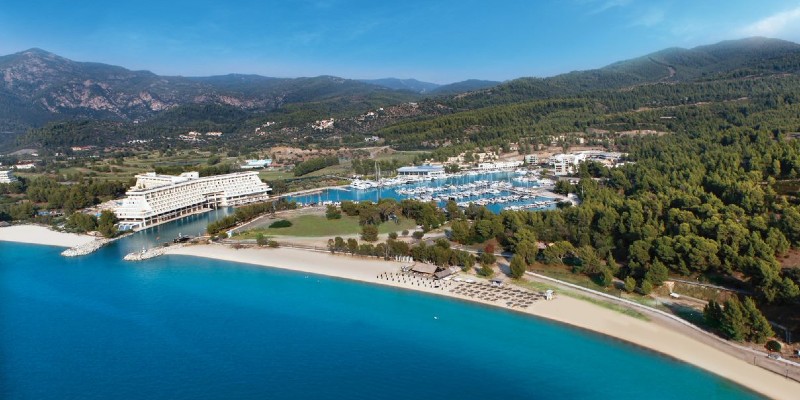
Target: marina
[(496, 190)]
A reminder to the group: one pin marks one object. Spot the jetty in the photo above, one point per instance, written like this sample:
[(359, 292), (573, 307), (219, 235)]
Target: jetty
[(147, 254), (86, 248)]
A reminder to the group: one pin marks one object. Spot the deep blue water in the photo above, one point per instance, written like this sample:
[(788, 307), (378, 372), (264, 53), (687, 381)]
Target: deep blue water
[(375, 194), (181, 327)]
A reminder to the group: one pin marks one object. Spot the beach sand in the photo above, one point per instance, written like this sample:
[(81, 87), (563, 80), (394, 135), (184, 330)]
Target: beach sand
[(563, 309), (37, 234)]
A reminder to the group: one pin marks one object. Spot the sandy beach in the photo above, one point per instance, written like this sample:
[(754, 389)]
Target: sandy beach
[(36, 234), (563, 309)]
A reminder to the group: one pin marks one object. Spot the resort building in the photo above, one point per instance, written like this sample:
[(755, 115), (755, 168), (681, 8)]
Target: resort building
[(567, 164), (422, 170), (532, 159), (159, 198), (7, 177), (256, 164)]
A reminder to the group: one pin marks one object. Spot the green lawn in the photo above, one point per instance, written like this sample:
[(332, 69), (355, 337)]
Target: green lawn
[(319, 226)]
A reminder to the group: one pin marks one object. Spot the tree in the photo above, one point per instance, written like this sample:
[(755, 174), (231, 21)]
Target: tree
[(352, 246), (80, 222), (487, 258), (333, 212), (645, 288), (262, 240), (733, 320), (459, 231), (486, 270), (657, 273), (527, 250), (605, 277), (517, 266), (106, 224), (630, 284), (758, 328), (713, 314), (369, 233)]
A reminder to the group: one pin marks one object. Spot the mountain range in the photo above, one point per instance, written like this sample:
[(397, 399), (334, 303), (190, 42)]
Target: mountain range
[(39, 87)]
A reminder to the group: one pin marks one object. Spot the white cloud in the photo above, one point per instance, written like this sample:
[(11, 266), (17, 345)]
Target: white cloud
[(782, 24)]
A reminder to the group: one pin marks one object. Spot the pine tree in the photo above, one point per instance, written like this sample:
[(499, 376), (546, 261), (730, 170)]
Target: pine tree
[(713, 314), (517, 266), (657, 273), (759, 329), (630, 284), (733, 320)]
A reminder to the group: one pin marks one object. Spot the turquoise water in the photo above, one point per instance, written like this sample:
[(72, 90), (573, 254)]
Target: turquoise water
[(181, 327), (375, 194)]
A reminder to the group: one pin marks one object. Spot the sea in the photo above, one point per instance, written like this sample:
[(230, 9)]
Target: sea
[(182, 327)]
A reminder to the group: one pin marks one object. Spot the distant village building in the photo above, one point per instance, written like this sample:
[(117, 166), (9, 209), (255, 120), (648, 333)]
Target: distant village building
[(532, 159), (7, 177), (323, 124), (29, 165), (257, 164), (217, 134), (372, 139), (159, 198), (422, 170)]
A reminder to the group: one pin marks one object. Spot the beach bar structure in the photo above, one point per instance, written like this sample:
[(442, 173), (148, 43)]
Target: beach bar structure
[(160, 198), (428, 269)]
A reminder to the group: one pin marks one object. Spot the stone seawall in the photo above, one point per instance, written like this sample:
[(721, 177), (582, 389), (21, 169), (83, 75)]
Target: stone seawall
[(150, 253), (86, 248)]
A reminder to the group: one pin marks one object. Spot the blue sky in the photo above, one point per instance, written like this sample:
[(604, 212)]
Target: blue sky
[(436, 41)]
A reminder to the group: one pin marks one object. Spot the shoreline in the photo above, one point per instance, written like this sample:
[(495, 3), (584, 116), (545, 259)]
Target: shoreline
[(649, 335), (39, 234)]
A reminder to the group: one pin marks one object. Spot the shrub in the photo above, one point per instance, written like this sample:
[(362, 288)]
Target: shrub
[(774, 346), (281, 223), (273, 244), (418, 235), (393, 235), (369, 233), (485, 271), (405, 232)]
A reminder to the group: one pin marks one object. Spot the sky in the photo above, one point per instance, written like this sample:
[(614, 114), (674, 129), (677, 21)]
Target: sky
[(436, 41)]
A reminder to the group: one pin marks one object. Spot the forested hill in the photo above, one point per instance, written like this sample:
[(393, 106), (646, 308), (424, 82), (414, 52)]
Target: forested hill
[(729, 59), (39, 86)]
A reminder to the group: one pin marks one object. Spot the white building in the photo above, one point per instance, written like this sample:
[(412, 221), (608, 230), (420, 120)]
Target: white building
[(566, 164), (25, 166), (256, 164), (7, 177), (532, 159), (159, 198), (499, 165), (422, 170)]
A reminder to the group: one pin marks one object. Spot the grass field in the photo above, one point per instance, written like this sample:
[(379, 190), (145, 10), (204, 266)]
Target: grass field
[(319, 226)]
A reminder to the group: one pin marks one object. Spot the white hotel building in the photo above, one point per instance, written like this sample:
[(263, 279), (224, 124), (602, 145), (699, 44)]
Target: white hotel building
[(7, 177), (160, 198)]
